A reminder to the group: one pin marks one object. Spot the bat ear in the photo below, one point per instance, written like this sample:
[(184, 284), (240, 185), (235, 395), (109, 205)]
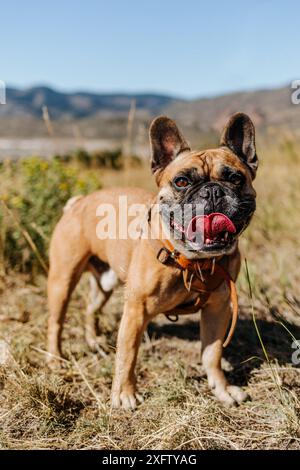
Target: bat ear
[(166, 142), (239, 136)]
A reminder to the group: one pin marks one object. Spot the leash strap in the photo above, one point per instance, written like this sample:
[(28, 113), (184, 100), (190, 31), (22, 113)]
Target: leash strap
[(234, 302)]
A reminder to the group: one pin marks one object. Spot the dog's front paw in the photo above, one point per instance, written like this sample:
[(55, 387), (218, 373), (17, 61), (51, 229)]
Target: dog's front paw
[(55, 362), (230, 395), (126, 399)]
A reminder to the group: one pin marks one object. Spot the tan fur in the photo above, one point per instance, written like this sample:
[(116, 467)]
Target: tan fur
[(150, 287)]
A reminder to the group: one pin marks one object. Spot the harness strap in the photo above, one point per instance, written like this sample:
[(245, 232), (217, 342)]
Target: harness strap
[(196, 277)]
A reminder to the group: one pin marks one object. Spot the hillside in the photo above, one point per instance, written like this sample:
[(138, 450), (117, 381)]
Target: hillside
[(28, 102), (266, 107), (104, 116)]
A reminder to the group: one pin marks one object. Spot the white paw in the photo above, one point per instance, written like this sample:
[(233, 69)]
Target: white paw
[(226, 365), (125, 400), (55, 362), (237, 393), (230, 395)]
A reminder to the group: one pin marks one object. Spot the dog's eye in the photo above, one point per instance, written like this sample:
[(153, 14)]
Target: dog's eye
[(236, 178), (181, 182)]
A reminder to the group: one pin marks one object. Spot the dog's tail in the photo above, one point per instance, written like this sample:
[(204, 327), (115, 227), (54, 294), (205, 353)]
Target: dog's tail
[(70, 203)]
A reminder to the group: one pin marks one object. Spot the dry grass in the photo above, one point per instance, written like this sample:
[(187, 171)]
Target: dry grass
[(70, 410)]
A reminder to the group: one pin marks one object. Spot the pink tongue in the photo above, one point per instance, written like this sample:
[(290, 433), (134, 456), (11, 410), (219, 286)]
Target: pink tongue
[(209, 226)]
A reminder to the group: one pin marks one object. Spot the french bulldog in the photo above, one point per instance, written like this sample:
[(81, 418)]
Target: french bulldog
[(214, 189)]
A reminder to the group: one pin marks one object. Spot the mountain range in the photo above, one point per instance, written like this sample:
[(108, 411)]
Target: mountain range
[(94, 112), (76, 105)]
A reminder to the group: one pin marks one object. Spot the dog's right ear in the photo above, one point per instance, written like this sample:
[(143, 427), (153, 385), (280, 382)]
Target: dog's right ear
[(239, 136), (166, 143)]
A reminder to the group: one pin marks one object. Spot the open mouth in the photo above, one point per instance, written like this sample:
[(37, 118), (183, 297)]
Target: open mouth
[(210, 232)]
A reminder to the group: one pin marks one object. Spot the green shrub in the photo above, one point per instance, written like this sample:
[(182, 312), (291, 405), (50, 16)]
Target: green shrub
[(82, 157), (39, 191), (108, 159), (112, 159)]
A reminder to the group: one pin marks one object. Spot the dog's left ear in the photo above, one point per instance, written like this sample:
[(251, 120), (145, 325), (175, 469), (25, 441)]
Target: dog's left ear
[(239, 136), (166, 142)]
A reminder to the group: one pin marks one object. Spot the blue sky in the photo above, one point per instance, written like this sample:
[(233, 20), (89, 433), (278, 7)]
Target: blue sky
[(188, 48)]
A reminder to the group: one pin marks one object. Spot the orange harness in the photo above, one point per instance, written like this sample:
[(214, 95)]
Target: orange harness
[(202, 276)]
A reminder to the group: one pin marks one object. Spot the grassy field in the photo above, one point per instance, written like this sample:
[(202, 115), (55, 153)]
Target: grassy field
[(70, 410)]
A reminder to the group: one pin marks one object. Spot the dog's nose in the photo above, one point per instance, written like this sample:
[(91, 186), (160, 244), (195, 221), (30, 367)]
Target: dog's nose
[(212, 192), (218, 192)]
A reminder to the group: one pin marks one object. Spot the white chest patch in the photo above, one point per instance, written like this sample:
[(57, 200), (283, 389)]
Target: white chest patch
[(108, 280)]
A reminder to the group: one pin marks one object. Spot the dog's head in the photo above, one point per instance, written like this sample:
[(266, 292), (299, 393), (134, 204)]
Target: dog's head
[(206, 197)]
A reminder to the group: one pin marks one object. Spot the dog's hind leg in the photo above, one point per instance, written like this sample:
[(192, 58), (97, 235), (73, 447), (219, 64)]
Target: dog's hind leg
[(60, 287), (65, 271), (97, 299)]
